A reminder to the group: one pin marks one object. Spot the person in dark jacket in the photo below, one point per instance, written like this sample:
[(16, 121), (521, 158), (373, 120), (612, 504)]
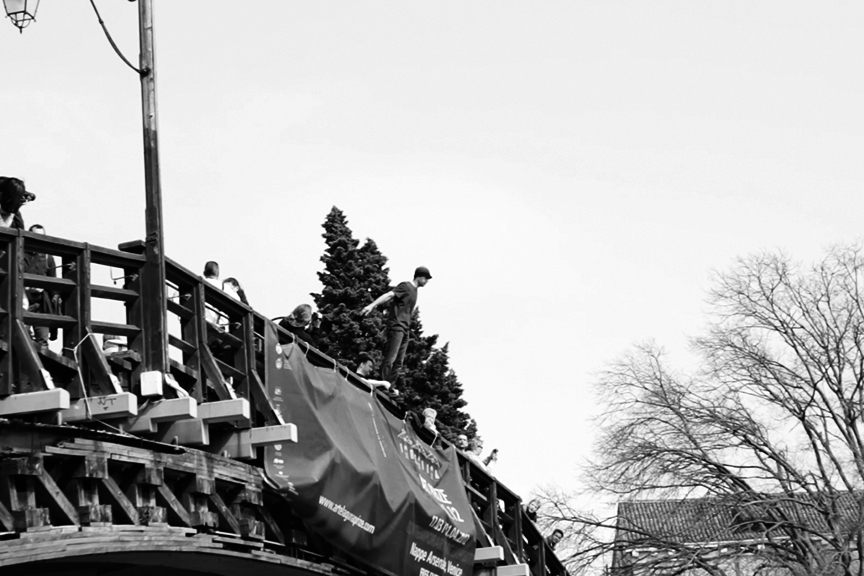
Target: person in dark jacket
[(297, 323), (13, 195), (41, 301)]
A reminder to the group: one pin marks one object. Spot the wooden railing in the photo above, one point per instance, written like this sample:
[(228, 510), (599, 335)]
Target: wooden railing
[(215, 399)]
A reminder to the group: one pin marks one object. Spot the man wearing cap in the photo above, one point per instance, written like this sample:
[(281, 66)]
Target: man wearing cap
[(402, 301)]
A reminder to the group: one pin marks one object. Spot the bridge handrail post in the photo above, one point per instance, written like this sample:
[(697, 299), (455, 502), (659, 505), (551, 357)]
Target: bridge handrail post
[(13, 294)]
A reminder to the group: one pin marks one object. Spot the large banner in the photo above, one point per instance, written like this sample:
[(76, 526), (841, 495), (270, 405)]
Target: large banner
[(361, 478)]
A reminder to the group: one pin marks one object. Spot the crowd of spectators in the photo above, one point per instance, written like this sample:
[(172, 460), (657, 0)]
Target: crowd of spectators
[(302, 323)]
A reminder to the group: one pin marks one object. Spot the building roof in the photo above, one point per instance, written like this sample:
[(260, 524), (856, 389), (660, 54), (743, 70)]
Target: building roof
[(730, 519)]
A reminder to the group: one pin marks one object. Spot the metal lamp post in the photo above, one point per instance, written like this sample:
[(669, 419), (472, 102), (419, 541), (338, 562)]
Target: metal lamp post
[(153, 281), (21, 12)]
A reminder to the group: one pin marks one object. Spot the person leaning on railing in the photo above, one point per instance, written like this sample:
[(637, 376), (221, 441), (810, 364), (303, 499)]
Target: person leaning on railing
[(475, 448), (462, 442), (232, 287), (531, 509), (365, 369), (553, 539), (298, 323)]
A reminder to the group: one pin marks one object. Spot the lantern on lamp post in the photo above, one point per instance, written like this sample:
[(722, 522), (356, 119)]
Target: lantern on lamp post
[(21, 12)]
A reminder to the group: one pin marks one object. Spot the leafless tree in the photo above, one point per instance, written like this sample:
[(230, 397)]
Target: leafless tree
[(767, 434)]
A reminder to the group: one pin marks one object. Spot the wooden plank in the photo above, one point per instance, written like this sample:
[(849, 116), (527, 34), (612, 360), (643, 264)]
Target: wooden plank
[(127, 330), (28, 358), (262, 401), (179, 274), (93, 466), (81, 273), (225, 338), (113, 293), (30, 518), (24, 466), (182, 345), (107, 382), (49, 320), (37, 242), (13, 294), (63, 285), (249, 495), (57, 495), (226, 514), (482, 537), (214, 375), (174, 504), (114, 258), (120, 499), (120, 360), (6, 518), (181, 311), (195, 331), (189, 461), (33, 402), (54, 359), (271, 524), (102, 407), (128, 355), (181, 370), (229, 371)]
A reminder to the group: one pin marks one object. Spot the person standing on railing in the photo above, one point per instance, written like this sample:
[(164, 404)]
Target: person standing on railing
[(41, 301), (402, 301), (13, 195)]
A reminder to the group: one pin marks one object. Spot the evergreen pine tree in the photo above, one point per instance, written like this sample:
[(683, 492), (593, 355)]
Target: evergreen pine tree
[(353, 276)]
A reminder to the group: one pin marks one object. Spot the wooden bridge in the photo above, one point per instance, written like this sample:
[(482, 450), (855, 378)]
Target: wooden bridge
[(106, 468)]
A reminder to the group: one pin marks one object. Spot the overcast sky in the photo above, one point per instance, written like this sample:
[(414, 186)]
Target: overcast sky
[(570, 172)]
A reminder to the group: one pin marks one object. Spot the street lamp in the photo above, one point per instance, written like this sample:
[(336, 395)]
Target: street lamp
[(22, 12)]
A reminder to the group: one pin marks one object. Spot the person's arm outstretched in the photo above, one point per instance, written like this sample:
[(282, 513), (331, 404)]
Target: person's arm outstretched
[(383, 299)]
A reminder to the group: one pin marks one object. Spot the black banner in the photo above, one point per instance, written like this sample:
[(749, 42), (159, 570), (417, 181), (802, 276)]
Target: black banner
[(361, 478)]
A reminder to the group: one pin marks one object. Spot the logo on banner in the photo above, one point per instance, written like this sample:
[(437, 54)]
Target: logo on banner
[(427, 464), (423, 458)]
